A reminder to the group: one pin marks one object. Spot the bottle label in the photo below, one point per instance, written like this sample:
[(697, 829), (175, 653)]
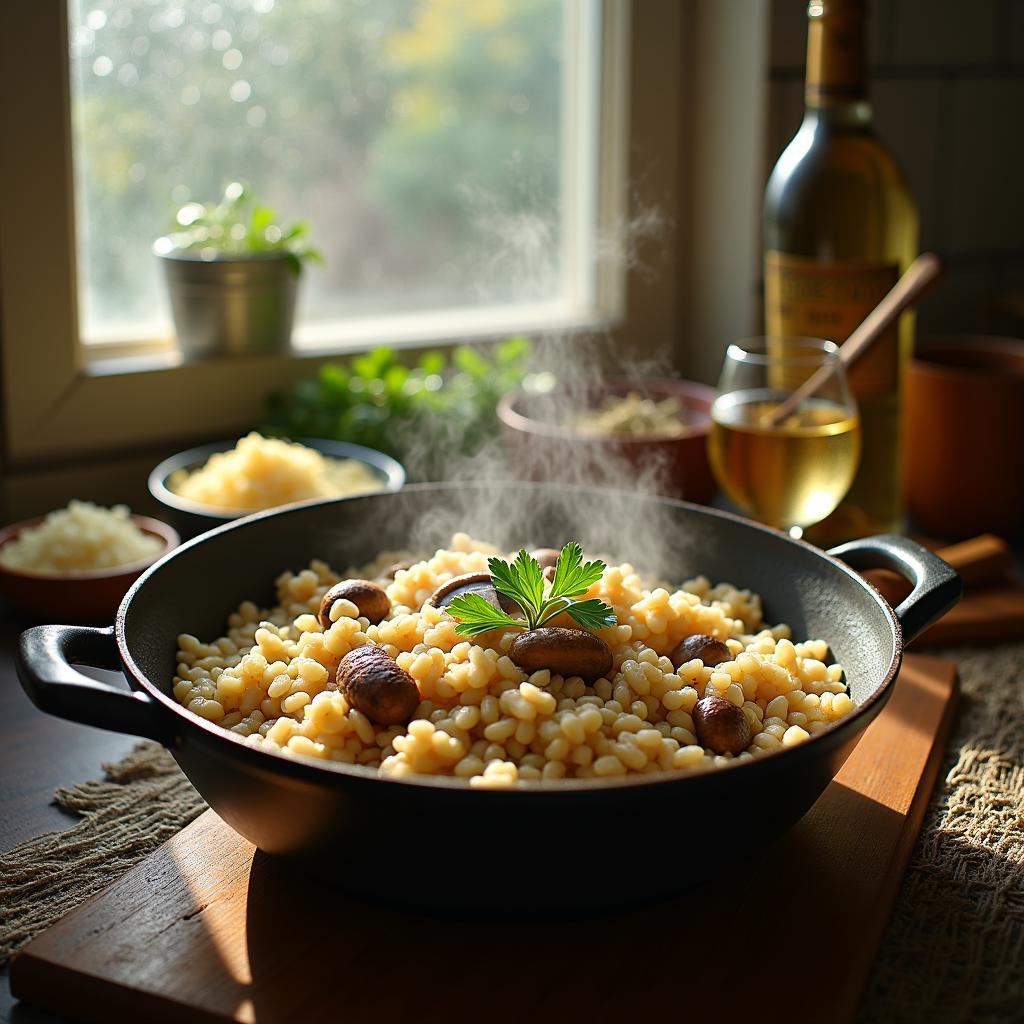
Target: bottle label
[(806, 298)]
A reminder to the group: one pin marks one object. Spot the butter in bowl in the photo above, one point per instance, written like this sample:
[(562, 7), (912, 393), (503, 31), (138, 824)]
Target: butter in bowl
[(213, 484)]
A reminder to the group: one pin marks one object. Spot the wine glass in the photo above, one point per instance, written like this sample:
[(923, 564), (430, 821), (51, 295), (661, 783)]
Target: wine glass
[(785, 458)]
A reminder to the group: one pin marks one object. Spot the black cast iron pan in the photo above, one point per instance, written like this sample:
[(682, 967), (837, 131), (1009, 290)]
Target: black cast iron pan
[(436, 841)]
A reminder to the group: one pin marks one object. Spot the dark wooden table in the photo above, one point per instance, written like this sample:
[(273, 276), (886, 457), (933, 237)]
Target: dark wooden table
[(38, 754)]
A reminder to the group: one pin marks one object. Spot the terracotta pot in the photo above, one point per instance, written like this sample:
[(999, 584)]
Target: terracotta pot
[(964, 463), (543, 449)]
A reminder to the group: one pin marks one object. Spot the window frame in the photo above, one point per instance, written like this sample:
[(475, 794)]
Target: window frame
[(579, 303), (60, 407)]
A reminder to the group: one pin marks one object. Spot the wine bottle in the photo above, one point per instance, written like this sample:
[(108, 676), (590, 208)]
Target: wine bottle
[(840, 226)]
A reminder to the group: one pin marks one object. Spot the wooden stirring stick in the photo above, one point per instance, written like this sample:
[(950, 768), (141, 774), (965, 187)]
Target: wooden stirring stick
[(920, 275), (992, 608), (981, 561)]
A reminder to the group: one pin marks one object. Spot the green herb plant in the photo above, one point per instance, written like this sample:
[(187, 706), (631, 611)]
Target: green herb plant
[(423, 414), (523, 582), (238, 226)]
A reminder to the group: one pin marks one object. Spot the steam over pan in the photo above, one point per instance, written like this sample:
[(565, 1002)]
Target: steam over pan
[(434, 840)]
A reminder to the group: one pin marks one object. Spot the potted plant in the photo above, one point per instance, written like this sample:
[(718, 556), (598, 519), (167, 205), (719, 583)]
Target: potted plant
[(232, 273)]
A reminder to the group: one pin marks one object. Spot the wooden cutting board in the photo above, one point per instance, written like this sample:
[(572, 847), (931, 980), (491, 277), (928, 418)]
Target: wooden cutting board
[(208, 928)]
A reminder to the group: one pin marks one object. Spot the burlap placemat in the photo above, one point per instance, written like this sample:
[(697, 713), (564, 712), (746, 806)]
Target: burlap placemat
[(143, 801), (954, 950)]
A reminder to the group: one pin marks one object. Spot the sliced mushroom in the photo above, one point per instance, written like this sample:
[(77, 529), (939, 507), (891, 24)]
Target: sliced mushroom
[(708, 649), (369, 598), (721, 726), (545, 557), (376, 686), (473, 583), (392, 570), (567, 652)]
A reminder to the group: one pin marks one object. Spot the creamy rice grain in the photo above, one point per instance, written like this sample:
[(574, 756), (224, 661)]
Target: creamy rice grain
[(480, 718)]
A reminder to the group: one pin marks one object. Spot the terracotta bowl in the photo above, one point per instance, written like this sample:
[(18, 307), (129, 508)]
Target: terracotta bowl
[(541, 448), (964, 465), (74, 597)]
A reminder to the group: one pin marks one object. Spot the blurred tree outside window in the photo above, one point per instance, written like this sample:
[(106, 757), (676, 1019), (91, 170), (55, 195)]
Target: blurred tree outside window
[(424, 140)]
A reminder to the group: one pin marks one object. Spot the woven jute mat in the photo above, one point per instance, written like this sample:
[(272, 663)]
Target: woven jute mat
[(954, 950), (142, 802)]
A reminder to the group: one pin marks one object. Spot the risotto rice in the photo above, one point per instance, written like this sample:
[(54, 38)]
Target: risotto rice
[(271, 679)]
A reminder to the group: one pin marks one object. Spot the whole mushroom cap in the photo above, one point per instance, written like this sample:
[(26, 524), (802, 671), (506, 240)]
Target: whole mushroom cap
[(369, 598), (721, 726), (377, 686), (710, 650), (567, 652)]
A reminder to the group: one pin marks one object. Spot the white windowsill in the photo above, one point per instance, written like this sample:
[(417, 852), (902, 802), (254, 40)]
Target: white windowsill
[(317, 340)]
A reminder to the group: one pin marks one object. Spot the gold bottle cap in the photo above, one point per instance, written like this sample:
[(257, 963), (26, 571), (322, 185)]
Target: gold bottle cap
[(835, 51), (829, 8)]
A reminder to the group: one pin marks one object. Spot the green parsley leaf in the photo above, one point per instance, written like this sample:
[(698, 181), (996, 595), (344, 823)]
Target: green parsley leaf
[(592, 614), (531, 579), (522, 581), (475, 616), (572, 577)]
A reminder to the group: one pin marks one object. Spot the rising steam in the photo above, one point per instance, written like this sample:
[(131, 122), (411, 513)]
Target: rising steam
[(592, 485)]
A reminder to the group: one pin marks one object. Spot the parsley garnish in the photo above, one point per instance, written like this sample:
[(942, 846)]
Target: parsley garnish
[(523, 582)]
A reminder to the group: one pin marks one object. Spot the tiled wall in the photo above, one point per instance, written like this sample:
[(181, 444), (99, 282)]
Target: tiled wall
[(947, 86)]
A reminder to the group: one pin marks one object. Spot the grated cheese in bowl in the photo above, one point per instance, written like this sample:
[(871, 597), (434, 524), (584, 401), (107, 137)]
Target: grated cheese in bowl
[(80, 538)]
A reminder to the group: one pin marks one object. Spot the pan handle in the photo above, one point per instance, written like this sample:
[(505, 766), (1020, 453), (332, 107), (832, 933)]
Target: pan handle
[(937, 587), (44, 665)]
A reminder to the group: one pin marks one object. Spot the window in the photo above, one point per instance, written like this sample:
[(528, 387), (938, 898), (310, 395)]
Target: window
[(443, 151), (623, 70)]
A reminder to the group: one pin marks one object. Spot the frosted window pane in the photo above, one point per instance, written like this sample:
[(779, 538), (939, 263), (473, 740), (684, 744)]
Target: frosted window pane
[(419, 137)]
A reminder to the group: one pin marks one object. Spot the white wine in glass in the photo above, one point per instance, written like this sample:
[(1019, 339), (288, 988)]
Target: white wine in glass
[(789, 472)]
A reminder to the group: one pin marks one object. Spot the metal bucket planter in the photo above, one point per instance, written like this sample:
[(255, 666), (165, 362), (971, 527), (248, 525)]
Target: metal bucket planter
[(230, 305)]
